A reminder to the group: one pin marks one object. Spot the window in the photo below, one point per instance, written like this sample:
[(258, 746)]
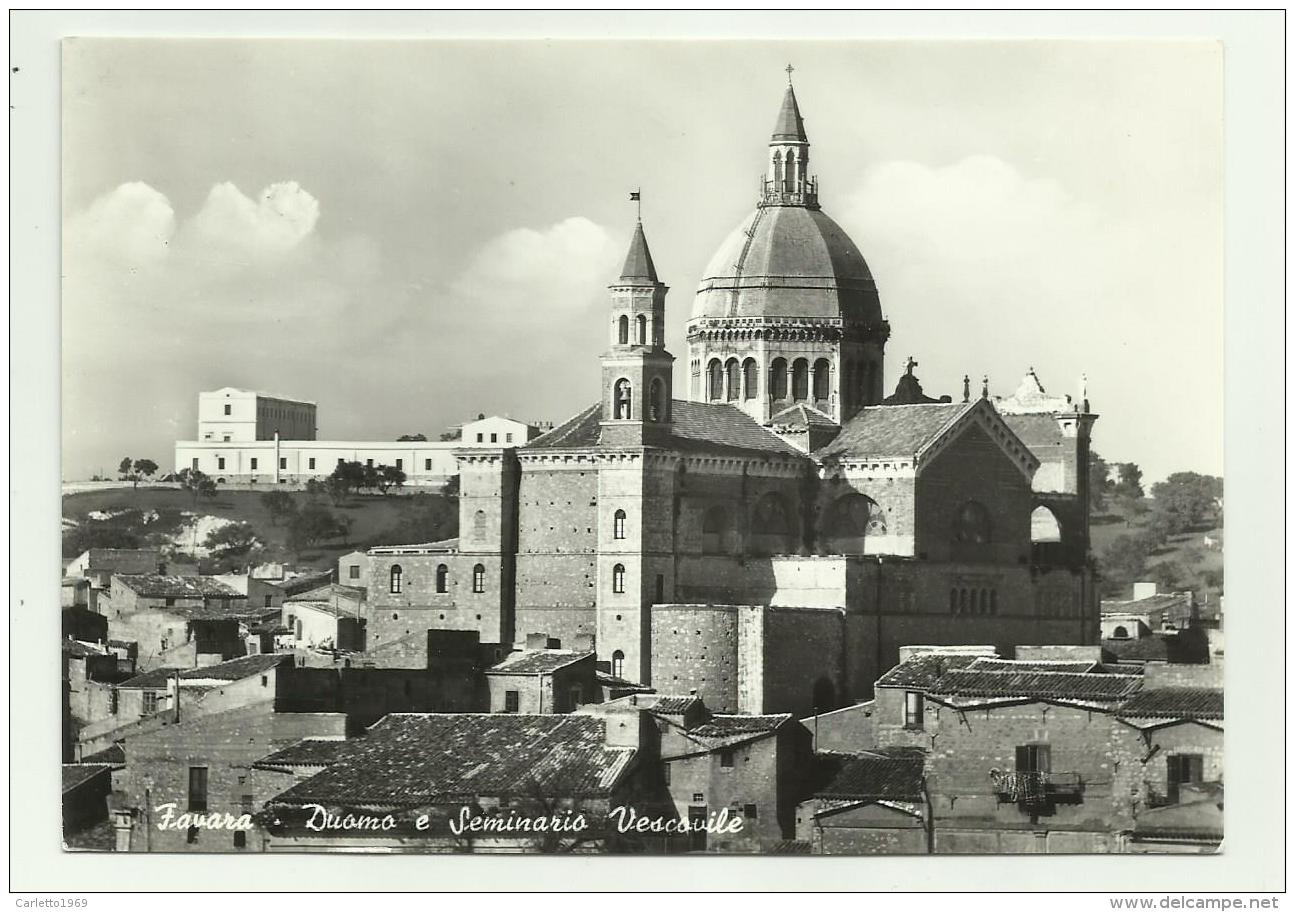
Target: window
[(914, 709), (283, 462), (442, 578), (714, 530), (715, 375), (618, 525), (778, 379), (726, 759), (800, 380), (240, 839), (265, 680), (641, 320), (253, 463), (1120, 633), (220, 462), (479, 578), (623, 330), (225, 438), (269, 601), (227, 408), (512, 700), (508, 438), (1033, 758), (733, 382), (427, 465), (971, 525), (618, 578), (112, 701), (353, 571), (369, 463), (1184, 769), (621, 395), (198, 788), (618, 664), (750, 378), (481, 438), (397, 578), (300, 629), (494, 438), (749, 811), (400, 464), (341, 461), (822, 379), (195, 463), (150, 702)]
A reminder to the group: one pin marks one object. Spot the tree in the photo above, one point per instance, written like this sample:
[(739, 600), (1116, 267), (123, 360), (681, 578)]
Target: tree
[(451, 488), (123, 470), (349, 477), (1187, 499), (417, 438), (232, 540), (1169, 576), (1099, 482), (279, 504), (197, 484), (1130, 483), (451, 435), (1125, 560), (312, 524), (389, 477)]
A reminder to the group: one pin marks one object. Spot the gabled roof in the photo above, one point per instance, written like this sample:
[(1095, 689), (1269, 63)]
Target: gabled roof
[(921, 671), (538, 662), (893, 431), (802, 416), (695, 427), (417, 759), (1036, 685), (304, 583), (233, 670), (76, 774), (725, 729), (114, 754), (328, 592), (155, 585), (307, 752), (674, 706), (877, 777), (1079, 667), (1175, 703)]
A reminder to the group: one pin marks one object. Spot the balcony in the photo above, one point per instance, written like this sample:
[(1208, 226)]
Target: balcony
[(1035, 790)]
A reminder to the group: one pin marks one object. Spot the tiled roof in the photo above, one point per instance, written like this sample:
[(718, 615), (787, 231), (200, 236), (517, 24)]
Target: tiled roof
[(75, 774), (1156, 602), (1175, 703), (790, 847), (877, 777), (724, 726), (303, 583), (1044, 684), (413, 759), (233, 670), (445, 545), (696, 426), (638, 262), (921, 671), (1153, 648), (155, 585), (308, 752), (802, 415), (1080, 667), (674, 706), (538, 661), (607, 679), (893, 430), (79, 650), (329, 592), (1035, 429)]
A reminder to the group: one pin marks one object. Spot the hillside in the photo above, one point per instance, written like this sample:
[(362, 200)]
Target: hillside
[(165, 517), (1182, 562)]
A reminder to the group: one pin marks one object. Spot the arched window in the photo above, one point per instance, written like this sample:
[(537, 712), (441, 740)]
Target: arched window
[(618, 525), (442, 578), (733, 379), (479, 578), (656, 400), (971, 525), (479, 524), (778, 379), (641, 320), (397, 578), (1044, 526), (622, 395), (618, 664), (715, 374), (623, 330), (618, 579), (714, 530), (777, 169), (750, 379), (800, 380), (771, 526), (1120, 633), (789, 182), (822, 380), (849, 522)]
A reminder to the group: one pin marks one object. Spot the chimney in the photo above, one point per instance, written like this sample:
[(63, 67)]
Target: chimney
[(537, 640)]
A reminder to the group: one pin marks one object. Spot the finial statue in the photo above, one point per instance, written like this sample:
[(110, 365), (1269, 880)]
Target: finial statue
[(909, 365), (1083, 390), (984, 387), (966, 387)]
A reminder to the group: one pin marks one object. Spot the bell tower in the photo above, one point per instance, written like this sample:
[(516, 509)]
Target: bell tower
[(636, 368)]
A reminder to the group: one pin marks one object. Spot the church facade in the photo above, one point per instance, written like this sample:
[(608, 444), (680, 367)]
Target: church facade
[(771, 537)]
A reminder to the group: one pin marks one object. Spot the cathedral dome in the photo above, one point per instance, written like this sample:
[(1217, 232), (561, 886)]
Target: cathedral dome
[(788, 262)]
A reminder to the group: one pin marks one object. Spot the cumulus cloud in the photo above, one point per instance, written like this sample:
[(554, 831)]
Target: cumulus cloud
[(549, 272), (277, 221), (131, 225)]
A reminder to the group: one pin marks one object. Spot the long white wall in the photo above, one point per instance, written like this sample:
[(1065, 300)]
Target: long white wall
[(290, 461)]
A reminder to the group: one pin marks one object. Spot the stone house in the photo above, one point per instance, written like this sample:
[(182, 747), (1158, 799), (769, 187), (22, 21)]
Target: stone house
[(329, 617), (543, 680), (872, 803)]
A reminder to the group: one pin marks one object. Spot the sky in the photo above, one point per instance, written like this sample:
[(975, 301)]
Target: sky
[(410, 233)]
